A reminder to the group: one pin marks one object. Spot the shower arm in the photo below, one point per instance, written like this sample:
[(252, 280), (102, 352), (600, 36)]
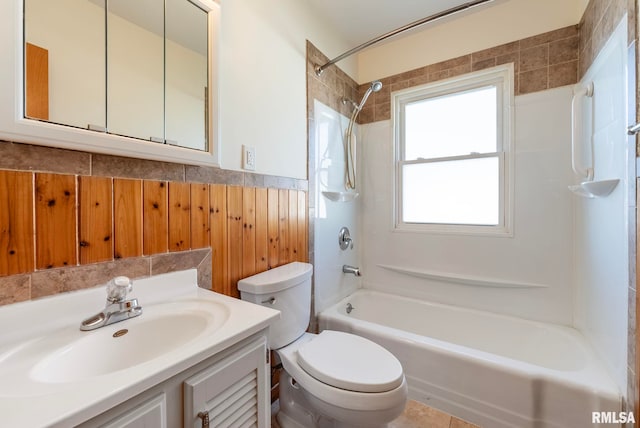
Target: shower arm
[(320, 68)]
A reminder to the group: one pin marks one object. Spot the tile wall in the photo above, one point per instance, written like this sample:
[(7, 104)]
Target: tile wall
[(73, 220), (540, 62), (599, 20), (330, 88)]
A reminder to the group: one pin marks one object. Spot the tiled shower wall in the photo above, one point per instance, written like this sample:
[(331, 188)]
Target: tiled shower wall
[(73, 220), (330, 89), (540, 62), (598, 22)]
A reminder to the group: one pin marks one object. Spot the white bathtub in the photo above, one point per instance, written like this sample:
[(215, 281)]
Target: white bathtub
[(493, 370)]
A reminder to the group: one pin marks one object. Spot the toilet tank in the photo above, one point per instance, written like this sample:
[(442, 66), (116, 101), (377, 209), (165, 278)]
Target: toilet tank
[(286, 288)]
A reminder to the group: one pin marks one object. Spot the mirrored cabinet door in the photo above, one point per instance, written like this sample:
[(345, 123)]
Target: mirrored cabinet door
[(65, 62), (135, 69), (186, 74)]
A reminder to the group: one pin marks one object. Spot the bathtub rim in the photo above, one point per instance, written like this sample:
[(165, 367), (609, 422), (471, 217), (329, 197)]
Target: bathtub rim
[(597, 380)]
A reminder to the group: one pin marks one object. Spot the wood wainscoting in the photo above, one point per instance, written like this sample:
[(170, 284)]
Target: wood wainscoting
[(53, 221)]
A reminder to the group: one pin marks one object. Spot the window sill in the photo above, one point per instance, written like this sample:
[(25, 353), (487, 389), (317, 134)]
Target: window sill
[(454, 229)]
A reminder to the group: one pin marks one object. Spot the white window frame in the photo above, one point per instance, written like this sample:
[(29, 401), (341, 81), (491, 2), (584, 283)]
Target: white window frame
[(502, 78)]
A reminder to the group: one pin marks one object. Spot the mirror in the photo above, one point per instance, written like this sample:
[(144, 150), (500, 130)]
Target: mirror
[(135, 68), (65, 62), (186, 75), (149, 83)]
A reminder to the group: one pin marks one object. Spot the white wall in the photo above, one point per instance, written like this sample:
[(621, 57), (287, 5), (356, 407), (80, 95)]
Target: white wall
[(331, 284), (601, 228), (263, 82), (540, 251), (498, 23)]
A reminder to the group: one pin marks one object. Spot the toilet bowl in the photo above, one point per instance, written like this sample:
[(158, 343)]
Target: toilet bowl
[(330, 379), (342, 393)]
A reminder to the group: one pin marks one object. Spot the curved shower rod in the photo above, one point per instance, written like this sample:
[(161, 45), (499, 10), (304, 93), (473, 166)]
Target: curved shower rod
[(320, 68)]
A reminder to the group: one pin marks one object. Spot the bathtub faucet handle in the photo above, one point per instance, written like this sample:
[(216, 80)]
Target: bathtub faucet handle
[(351, 269), (344, 239)]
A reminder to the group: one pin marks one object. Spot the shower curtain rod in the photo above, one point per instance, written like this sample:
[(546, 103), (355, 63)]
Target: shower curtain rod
[(320, 68)]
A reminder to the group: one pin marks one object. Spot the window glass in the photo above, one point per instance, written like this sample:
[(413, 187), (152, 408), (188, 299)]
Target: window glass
[(451, 125), (453, 157), (452, 192)]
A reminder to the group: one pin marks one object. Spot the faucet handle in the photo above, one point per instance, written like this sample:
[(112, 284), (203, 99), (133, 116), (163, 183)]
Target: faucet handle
[(118, 288), (344, 239)]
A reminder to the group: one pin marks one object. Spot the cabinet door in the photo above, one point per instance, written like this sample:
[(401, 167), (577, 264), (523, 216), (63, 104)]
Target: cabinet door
[(234, 392), (135, 69), (186, 78), (68, 78), (152, 413)]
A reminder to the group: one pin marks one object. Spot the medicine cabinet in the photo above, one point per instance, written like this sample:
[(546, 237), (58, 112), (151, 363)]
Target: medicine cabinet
[(132, 78)]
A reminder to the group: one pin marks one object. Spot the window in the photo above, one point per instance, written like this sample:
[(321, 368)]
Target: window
[(453, 150)]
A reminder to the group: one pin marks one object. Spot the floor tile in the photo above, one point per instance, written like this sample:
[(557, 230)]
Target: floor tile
[(415, 415)]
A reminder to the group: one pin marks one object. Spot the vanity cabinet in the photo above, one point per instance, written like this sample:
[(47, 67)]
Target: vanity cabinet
[(232, 392), (152, 413), (231, 388)]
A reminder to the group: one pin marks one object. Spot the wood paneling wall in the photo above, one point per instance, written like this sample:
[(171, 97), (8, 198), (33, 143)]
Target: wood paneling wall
[(55, 220), (16, 222)]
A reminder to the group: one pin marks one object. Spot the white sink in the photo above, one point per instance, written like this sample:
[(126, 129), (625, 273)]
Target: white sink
[(160, 329), (52, 374)]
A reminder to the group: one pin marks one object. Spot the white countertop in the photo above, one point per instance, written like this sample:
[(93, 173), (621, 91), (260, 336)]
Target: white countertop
[(25, 401)]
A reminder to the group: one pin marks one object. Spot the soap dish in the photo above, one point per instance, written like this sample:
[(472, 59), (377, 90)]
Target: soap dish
[(594, 189)]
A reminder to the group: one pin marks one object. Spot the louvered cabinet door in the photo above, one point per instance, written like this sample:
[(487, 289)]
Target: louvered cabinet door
[(233, 392)]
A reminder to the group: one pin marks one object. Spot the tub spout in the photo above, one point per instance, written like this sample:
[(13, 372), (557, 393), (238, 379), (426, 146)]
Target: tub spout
[(351, 269)]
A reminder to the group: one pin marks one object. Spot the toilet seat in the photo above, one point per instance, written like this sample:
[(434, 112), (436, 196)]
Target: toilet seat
[(350, 362), (343, 398)]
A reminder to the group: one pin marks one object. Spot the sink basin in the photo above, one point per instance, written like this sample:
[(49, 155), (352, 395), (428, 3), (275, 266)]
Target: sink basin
[(52, 374), (161, 328)]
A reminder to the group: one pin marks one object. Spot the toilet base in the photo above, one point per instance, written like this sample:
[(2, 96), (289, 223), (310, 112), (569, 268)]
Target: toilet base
[(294, 407), (297, 410)]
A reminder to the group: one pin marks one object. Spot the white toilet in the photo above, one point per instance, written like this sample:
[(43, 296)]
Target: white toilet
[(332, 379)]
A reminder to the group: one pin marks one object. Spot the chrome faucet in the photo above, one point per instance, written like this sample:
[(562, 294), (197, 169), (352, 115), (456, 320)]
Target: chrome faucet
[(344, 238), (117, 308), (351, 269)]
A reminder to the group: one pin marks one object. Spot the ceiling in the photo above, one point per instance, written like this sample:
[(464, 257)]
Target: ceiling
[(359, 21)]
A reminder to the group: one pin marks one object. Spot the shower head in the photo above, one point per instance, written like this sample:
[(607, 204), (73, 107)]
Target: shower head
[(350, 176), (375, 87)]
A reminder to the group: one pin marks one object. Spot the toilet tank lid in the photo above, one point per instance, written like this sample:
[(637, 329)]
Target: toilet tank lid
[(276, 279)]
